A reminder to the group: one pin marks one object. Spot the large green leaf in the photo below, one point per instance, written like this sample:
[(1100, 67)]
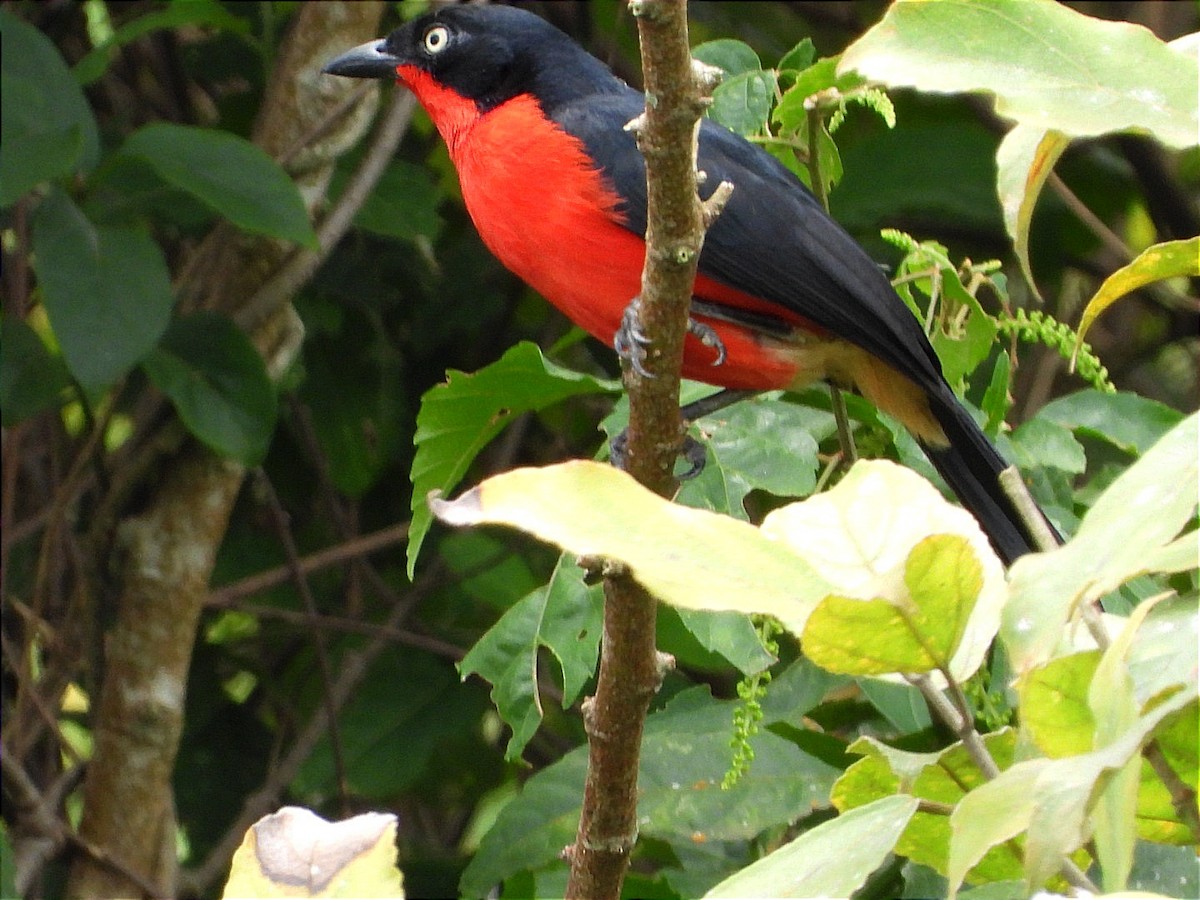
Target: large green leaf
[(565, 617), (460, 417), (228, 173), (690, 558), (1130, 530), (943, 777), (832, 860), (106, 289), (47, 129), (684, 755), (1050, 799), (218, 383), (1124, 420), (914, 629), (1046, 65)]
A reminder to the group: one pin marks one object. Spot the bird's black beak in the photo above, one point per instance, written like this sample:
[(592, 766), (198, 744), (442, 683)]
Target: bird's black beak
[(369, 60)]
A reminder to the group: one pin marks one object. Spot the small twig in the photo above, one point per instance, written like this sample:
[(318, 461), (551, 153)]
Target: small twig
[(322, 559), (842, 417), (283, 531), (1106, 235), (1026, 507), (961, 725), (351, 626), (297, 270), (813, 110)]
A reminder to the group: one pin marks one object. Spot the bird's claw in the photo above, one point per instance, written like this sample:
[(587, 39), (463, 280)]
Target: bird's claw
[(707, 335), (631, 342), (691, 451)]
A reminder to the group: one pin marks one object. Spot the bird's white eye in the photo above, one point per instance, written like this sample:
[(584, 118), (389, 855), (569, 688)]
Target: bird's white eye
[(436, 39)]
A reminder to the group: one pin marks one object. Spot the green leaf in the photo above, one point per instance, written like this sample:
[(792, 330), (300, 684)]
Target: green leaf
[(106, 289), (760, 443), (799, 57), (900, 704), (832, 860), (296, 853), (742, 103), (730, 56), (218, 384), (1024, 161), (1054, 707), (690, 558), (1046, 65), (31, 378), (995, 403), (1142, 511), (943, 777), (1167, 260), (178, 14), (392, 731), (963, 342), (565, 616), (910, 631), (1050, 799), (859, 536), (1125, 420), (1041, 442), (229, 174), (730, 635), (685, 753), (460, 417), (790, 114), (47, 129)]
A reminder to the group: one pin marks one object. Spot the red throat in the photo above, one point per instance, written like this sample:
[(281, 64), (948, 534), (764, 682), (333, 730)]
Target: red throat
[(453, 114)]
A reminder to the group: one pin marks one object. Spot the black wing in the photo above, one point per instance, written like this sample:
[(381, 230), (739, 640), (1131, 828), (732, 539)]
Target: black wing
[(773, 241)]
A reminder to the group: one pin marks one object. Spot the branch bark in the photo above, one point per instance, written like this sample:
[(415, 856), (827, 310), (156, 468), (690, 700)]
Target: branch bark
[(168, 550), (630, 667)]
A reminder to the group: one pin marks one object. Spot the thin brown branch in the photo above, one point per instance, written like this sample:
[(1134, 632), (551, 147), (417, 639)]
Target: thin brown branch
[(322, 559), (1107, 236), (283, 529), (299, 268), (630, 667)]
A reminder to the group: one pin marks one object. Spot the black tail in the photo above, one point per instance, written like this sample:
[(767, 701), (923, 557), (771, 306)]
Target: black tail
[(972, 466)]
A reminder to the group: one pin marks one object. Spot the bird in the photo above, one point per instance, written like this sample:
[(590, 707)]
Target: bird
[(783, 296)]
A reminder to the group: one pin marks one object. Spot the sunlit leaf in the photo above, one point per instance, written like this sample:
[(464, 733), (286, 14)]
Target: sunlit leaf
[(296, 853)]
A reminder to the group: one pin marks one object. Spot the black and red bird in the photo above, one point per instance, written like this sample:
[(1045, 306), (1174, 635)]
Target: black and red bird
[(557, 189)]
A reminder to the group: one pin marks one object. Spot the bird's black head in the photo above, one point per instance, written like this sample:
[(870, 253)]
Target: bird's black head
[(487, 54)]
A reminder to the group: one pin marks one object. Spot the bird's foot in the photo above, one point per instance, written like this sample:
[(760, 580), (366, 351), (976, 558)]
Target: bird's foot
[(691, 451), (632, 344)]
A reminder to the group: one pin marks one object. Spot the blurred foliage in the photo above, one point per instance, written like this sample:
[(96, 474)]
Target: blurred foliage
[(124, 131)]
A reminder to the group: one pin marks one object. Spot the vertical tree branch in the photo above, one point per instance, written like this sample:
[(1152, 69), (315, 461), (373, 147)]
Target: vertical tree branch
[(630, 668)]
